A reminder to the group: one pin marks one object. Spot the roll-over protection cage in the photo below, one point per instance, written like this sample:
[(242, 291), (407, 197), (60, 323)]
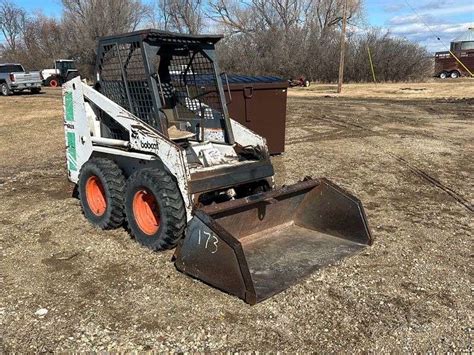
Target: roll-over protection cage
[(166, 79)]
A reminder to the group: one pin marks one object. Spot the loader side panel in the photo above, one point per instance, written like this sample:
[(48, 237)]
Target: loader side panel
[(71, 151), (337, 213), (76, 128)]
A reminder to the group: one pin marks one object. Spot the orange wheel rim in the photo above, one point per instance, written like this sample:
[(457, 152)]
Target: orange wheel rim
[(146, 211), (95, 196), (53, 83)]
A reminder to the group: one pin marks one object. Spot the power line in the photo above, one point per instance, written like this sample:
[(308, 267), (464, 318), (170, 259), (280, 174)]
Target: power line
[(422, 21), (439, 39)]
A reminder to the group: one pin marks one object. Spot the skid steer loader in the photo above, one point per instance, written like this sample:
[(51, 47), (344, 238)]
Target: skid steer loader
[(152, 146)]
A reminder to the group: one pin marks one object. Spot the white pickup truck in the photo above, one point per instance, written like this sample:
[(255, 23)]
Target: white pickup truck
[(13, 78)]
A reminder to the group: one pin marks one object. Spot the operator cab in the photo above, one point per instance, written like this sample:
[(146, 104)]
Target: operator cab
[(64, 67), (189, 94), (63, 70), (170, 81)]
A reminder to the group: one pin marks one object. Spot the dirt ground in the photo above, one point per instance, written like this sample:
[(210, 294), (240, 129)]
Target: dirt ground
[(406, 150)]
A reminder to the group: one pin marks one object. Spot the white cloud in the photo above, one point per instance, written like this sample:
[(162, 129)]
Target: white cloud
[(423, 21), (393, 7), (449, 10), (421, 34), (439, 29), (431, 16)]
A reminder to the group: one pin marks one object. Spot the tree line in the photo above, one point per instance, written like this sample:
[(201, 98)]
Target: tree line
[(288, 38)]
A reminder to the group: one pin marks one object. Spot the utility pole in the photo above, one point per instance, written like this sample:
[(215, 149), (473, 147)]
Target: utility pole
[(343, 47)]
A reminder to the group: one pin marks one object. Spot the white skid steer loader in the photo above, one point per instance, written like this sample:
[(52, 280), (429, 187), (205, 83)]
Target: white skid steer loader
[(153, 147)]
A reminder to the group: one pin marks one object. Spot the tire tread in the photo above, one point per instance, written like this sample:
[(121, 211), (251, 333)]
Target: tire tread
[(174, 212), (115, 184)]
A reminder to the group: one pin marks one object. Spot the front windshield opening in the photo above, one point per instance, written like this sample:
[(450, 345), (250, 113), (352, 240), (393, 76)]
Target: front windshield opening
[(65, 65), (189, 93), (69, 65)]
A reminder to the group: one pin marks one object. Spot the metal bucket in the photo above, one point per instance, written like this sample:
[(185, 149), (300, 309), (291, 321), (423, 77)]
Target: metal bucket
[(258, 246)]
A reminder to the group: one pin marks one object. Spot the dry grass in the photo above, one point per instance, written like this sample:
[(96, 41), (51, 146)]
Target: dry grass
[(31, 130), (409, 292), (434, 89)]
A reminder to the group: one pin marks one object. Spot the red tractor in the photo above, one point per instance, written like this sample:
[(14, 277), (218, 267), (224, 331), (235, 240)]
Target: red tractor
[(301, 82)]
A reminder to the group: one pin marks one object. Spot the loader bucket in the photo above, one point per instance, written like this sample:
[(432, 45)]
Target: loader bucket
[(257, 246)]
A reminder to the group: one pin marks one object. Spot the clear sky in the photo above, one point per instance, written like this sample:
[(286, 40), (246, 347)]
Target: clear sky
[(411, 19), (48, 7)]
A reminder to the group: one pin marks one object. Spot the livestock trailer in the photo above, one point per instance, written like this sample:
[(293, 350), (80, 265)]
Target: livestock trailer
[(459, 60)]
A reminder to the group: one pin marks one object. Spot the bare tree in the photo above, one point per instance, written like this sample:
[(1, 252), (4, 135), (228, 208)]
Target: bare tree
[(12, 23), (87, 20), (325, 14), (184, 16), (289, 37), (44, 39), (156, 16), (233, 16), (394, 59), (255, 15)]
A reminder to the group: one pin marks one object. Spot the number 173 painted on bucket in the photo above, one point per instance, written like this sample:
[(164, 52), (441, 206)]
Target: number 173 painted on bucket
[(208, 240)]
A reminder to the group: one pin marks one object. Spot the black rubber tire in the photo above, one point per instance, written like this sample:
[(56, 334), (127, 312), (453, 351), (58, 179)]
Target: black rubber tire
[(454, 74), (54, 78), (113, 183), (172, 211), (5, 90)]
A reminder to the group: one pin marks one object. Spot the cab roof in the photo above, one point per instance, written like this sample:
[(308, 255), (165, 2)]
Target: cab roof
[(154, 35)]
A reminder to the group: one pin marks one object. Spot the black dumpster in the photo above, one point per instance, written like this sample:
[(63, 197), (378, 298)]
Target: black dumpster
[(259, 103)]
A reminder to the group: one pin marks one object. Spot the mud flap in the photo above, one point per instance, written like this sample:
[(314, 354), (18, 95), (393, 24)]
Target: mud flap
[(258, 246)]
